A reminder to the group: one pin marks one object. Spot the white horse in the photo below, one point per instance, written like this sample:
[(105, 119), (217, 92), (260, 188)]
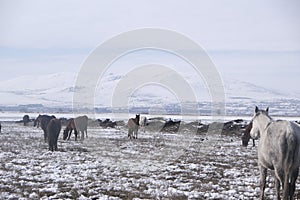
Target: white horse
[(133, 127), (278, 150), (81, 123), (143, 123)]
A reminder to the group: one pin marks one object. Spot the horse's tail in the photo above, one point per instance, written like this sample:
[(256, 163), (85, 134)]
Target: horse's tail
[(293, 152), (292, 163)]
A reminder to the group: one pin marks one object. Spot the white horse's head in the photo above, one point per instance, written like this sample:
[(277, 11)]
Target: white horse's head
[(254, 133), (260, 120)]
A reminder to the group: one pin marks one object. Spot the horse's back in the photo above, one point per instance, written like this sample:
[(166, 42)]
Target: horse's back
[(53, 130), (131, 124), (284, 141), (45, 119), (54, 126), (81, 122)]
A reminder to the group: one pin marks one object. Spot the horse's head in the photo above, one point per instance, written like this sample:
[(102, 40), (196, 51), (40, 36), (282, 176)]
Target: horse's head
[(259, 122), (246, 135), (37, 121), (65, 135), (245, 140), (137, 119)]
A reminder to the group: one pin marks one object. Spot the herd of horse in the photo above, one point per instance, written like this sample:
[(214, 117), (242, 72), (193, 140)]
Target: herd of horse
[(278, 147), (51, 127)]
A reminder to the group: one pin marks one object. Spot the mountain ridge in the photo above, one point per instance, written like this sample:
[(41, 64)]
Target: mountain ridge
[(56, 90)]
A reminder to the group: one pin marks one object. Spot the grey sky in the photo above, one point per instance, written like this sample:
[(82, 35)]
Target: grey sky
[(257, 41)]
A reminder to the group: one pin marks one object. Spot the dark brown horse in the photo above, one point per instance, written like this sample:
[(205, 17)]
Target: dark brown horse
[(43, 121), (133, 126), (246, 136), (53, 130)]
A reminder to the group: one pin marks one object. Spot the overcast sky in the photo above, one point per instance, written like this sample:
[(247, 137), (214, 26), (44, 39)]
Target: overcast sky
[(256, 41)]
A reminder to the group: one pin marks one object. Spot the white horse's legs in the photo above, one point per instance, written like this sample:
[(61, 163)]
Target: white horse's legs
[(286, 187), (136, 133), (279, 178), (277, 186), (263, 176), (129, 133)]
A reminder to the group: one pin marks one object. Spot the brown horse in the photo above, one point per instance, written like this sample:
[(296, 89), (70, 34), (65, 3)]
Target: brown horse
[(246, 136), (69, 128), (78, 124), (133, 126)]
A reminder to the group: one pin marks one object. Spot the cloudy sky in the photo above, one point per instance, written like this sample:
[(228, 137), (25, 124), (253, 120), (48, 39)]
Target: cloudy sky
[(256, 41)]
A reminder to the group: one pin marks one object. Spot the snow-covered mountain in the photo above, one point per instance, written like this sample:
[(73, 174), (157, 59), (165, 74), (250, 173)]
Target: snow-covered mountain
[(56, 90)]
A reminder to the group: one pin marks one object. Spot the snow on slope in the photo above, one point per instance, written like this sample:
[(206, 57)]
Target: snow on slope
[(57, 90)]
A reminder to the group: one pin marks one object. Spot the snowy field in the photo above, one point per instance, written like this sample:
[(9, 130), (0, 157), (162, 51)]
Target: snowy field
[(107, 165)]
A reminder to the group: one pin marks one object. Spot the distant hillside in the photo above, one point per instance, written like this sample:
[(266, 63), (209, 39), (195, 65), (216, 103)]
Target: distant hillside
[(56, 90)]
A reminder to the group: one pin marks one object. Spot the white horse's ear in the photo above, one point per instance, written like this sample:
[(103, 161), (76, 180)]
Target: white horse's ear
[(256, 109), (267, 110)]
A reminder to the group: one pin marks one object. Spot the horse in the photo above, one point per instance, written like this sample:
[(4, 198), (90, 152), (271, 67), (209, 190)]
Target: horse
[(53, 130), (81, 124), (43, 121), (143, 123), (246, 136), (133, 126), (26, 120), (69, 128), (278, 150)]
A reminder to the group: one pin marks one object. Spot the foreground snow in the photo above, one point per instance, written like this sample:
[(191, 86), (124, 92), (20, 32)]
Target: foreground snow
[(107, 165)]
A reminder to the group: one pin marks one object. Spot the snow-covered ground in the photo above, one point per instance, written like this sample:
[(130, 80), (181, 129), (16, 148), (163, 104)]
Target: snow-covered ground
[(107, 165)]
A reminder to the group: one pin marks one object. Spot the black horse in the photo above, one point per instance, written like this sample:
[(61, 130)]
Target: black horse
[(43, 121), (26, 120), (53, 130)]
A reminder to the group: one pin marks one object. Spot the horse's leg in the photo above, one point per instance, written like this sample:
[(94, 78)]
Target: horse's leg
[(82, 135), (45, 135), (263, 176), (86, 133), (129, 134), (253, 142), (136, 132), (55, 144), (277, 187), (293, 182), (50, 142), (279, 178), (69, 134), (286, 186), (75, 133)]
